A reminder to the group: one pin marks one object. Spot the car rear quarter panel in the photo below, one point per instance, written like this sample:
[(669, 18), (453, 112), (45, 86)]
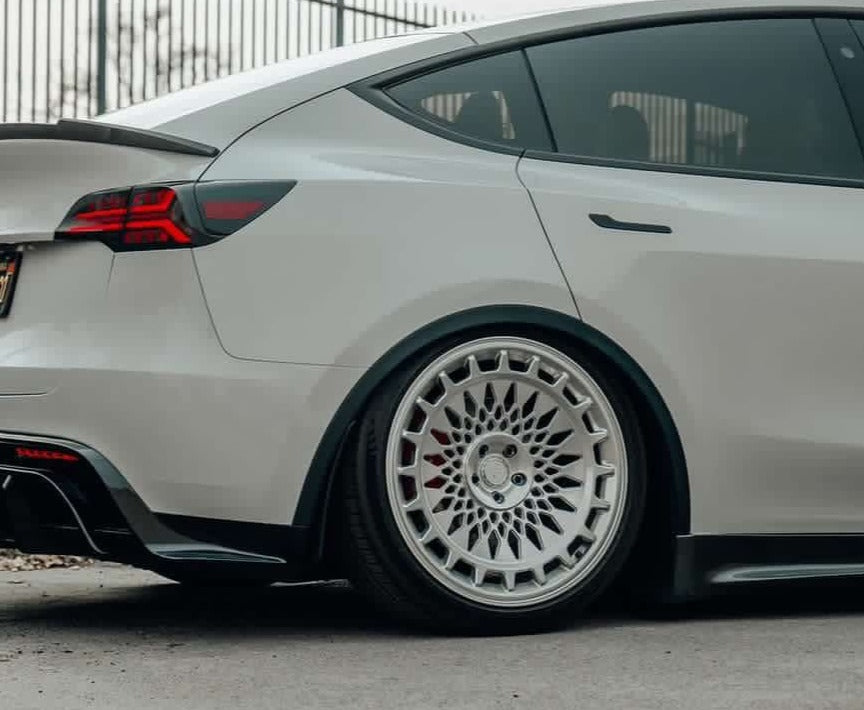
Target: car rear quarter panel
[(388, 229)]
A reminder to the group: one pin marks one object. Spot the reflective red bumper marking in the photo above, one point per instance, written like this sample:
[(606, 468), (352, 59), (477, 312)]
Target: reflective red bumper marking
[(44, 454)]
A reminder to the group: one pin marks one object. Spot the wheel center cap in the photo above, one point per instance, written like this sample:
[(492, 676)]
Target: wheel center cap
[(494, 471)]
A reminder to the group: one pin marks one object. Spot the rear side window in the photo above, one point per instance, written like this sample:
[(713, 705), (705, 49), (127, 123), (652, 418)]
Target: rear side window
[(751, 95), (491, 99)]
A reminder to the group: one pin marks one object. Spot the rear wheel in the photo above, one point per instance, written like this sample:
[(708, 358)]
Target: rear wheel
[(499, 485)]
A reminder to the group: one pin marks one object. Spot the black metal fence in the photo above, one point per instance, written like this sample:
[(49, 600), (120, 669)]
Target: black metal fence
[(79, 58)]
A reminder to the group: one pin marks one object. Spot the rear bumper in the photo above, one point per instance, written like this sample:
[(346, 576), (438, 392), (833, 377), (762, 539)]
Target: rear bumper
[(62, 497), (120, 352)]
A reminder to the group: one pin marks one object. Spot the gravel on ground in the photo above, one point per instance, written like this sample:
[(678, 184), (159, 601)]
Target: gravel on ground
[(14, 561)]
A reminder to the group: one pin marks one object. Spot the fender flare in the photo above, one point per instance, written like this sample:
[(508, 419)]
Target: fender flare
[(314, 498)]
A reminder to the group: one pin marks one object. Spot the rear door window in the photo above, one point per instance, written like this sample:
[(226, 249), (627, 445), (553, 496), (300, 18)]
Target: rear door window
[(751, 95)]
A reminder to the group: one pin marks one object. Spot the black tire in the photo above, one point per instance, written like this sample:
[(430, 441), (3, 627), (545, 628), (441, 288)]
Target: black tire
[(380, 563)]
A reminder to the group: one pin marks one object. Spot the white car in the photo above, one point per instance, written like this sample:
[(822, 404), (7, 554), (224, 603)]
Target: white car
[(482, 318)]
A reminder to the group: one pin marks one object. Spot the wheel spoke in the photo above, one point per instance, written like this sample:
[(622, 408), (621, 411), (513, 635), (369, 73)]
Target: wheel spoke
[(503, 361), (415, 438), (425, 407), (414, 505), (479, 575), (539, 575), (446, 383)]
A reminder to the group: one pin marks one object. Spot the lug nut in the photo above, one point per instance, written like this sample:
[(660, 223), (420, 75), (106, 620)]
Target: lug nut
[(498, 498), (483, 451), (510, 451), (519, 479)]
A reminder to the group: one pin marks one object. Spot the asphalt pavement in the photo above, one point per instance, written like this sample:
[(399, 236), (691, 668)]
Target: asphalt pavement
[(111, 637)]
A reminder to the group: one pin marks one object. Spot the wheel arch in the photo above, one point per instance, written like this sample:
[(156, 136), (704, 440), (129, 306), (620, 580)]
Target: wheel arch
[(669, 514)]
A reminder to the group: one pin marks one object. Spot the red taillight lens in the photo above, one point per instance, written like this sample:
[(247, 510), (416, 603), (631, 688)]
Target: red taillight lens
[(231, 210), (148, 200), (155, 218), (99, 212), (227, 207), (136, 218), (169, 217)]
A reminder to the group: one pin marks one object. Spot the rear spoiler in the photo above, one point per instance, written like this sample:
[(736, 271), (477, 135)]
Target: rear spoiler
[(93, 132)]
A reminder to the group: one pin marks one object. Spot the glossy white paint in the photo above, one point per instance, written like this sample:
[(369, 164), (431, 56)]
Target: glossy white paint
[(388, 229)]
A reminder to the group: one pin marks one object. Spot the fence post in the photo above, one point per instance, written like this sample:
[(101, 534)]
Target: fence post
[(101, 55), (340, 23)]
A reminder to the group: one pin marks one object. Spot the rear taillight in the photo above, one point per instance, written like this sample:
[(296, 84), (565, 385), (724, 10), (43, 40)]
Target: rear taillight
[(169, 216), (225, 207)]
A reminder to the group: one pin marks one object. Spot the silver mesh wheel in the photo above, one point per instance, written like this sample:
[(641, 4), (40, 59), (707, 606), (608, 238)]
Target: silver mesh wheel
[(506, 472)]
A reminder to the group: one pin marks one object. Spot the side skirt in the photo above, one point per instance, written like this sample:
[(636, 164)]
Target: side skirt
[(284, 541), (712, 564)]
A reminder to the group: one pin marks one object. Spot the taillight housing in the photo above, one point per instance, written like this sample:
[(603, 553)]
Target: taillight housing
[(169, 216)]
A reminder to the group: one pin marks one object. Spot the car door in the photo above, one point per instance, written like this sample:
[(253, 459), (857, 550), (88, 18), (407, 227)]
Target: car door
[(705, 201)]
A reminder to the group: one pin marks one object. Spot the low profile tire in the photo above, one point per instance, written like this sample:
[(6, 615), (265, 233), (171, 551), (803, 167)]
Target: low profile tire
[(499, 485)]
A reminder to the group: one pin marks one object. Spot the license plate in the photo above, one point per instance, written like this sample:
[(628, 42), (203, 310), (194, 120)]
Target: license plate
[(10, 265)]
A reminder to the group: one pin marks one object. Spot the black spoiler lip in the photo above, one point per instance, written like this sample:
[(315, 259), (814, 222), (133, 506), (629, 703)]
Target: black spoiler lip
[(93, 132)]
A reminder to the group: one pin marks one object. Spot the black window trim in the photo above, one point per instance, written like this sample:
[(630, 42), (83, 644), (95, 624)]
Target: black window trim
[(849, 80), (547, 120), (374, 89)]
